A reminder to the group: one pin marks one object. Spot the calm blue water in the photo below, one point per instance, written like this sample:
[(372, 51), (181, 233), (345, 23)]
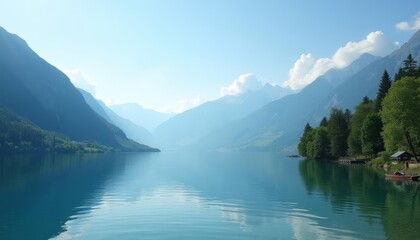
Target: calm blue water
[(173, 195)]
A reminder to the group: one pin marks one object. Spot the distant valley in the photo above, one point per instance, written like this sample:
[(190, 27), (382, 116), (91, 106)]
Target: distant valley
[(34, 93)]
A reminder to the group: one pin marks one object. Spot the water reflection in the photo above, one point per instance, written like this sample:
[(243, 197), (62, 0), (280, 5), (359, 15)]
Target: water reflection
[(40, 192), (188, 196), (395, 204)]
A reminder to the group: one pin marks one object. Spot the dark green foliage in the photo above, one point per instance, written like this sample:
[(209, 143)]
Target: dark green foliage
[(360, 133), (307, 138), (321, 144), (18, 135), (366, 100), (307, 129), (409, 66), (354, 142), (390, 122), (318, 143), (314, 143), (400, 116), (398, 75), (324, 122), (372, 142), (338, 132), (347, 115), (409, 69), (384, 86)]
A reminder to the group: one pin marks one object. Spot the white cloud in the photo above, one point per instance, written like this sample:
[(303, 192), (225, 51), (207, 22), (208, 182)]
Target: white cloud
[(242, 84), (375, 43), (306, 69), (414, 25), (80, 80)]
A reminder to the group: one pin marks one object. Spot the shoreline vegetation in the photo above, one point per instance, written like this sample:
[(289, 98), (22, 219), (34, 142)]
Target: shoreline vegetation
[(378, 128), (18, 135), (387, 165)]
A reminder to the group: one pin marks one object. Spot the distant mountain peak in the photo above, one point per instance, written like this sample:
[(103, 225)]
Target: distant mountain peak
[(412, 46), (147, 118), (415, 37), (365, 56), (12, 40), (269, 85)]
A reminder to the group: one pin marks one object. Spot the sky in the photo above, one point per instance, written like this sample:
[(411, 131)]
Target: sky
[(173, 55)]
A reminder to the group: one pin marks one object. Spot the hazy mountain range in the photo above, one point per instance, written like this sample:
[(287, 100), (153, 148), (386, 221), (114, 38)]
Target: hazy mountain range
[(268, 119), (190, 126), (278, 124), (132, 130), (146, 118), (35, 90)]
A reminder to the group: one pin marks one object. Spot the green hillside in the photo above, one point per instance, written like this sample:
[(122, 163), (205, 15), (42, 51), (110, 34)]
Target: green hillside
[(19, 135)]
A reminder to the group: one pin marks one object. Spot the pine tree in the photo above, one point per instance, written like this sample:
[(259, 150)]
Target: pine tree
[(321, 144), (366, 100), (384, 86), (307, 129), (338, 132), (372, 141), (354, 142), (324, 122), (409, 66), (305, 140), (398, 75), (347, 115)]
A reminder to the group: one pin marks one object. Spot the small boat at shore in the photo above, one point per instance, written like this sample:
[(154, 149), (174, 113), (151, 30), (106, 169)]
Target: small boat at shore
[(402, 176), (415, 177)]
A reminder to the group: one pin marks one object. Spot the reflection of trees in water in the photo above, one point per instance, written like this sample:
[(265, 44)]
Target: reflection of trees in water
[(402, 216), (399, 207)]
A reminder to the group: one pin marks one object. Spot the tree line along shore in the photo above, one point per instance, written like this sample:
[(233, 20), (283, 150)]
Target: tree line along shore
[(378, 127)]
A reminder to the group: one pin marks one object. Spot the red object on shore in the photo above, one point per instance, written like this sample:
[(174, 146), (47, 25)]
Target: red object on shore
[(400, 176)]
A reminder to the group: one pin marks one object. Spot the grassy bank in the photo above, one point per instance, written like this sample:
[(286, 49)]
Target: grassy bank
[(383, 163)]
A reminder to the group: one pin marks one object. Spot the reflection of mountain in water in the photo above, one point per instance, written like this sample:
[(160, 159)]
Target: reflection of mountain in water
[(397, 204), (242, 195), (40, 192), (252, 190)]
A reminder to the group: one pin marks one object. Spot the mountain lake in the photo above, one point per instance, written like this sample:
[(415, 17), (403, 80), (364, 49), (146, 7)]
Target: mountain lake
[(183, 195)]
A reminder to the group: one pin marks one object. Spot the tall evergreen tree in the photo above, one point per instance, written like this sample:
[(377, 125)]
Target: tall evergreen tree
[(366, 100), (338, 132), (384, 86), (307, 128), (398, 75), (362, 110), (324, 122), (409, 66), (321, 144), (307, 137), (409, 69), (347, 115), (372, 141)]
